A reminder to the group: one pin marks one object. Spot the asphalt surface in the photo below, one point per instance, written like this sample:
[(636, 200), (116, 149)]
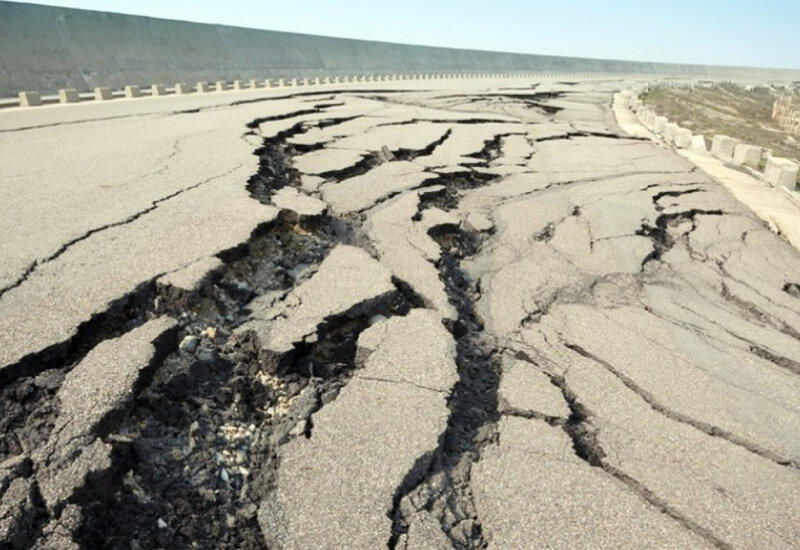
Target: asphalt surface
[(467, 314)]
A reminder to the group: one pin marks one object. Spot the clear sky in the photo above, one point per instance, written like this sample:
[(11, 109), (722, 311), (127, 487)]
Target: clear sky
[(733, 32)]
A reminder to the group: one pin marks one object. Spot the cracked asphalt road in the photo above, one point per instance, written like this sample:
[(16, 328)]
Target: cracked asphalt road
[(459, 315)]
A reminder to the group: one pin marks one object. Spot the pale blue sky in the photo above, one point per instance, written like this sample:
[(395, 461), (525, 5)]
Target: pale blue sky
[(733, 32)]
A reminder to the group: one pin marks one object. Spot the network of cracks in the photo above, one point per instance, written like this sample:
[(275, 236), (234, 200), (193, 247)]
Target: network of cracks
[(195, 449)]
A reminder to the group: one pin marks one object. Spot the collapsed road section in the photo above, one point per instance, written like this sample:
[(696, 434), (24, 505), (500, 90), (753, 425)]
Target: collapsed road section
[(429, 319)]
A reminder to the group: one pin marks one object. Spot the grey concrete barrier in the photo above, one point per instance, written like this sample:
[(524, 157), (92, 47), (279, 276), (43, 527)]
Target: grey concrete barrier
[(670, 131), (683, 138), (202, 87), (722, 147), (102, 93), (68, 95), (747, 155), (182, 88), (30, 99), (158, 89), (781, 172), (132, 91)]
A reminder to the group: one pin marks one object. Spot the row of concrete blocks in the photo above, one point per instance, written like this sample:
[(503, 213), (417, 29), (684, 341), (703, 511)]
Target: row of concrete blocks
[(69, 95), (778, 171)]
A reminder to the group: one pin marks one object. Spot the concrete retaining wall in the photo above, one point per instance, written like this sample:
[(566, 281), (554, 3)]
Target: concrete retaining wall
[(47, 48)]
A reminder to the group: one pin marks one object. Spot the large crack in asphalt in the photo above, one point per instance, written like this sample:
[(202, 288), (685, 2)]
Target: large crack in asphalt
[(662, 233), (207, 430), (196, 453), (443, 489)]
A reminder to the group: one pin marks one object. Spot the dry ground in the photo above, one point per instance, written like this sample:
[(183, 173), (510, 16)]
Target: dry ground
[(726, 109)]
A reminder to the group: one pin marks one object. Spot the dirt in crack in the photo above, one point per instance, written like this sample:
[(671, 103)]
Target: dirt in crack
[(668, 229), (204, 431), (444, 490)]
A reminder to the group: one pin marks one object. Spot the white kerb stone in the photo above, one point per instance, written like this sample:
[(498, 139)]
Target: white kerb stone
[(30, 99), (722, 147), (102, 93), (683, 138), (747, 155), (68, 95), (699, 144), (781, 172), (132, 91)]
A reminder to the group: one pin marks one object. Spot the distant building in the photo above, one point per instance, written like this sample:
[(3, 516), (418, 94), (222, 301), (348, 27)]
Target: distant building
[(786, 113)]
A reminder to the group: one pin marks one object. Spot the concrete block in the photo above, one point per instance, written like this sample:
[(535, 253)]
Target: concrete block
[(660, 124), (699, 145), (202, 87), (239, 85), (132, 91), (68, 95), (158, 89), (182, 88), (102, 93), (254, 84), (782, 172), (221, 86), (746, 155), (30, 99), (722, 147), (683, 138), (280, 83), (670, 131)]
